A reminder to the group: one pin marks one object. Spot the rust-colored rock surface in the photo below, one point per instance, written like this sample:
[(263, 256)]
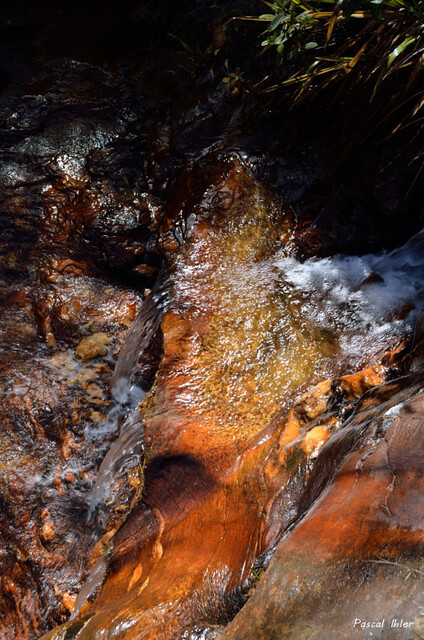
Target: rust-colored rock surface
[(203, 433), (233, 427), (171, 521), (65, 311), (352, 566), (54, 398)]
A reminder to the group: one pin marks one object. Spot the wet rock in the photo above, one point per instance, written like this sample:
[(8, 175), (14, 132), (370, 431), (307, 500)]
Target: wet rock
[(105, 172), (167, 537), (359, 542), (48, 529), (224, 429), (69, 293), (92, 346)]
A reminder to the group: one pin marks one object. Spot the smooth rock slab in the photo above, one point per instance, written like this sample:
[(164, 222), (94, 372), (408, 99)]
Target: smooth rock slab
[(357, 553)]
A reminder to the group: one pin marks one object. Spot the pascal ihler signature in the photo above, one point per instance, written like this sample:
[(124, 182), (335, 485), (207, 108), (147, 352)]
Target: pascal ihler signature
[(393, 623)]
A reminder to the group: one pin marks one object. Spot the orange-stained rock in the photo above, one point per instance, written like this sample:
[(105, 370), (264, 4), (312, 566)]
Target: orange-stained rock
[(48, 528), (248, 394), (55, 293), (230, 445), (69, 601), (175, 563), (93, 346), (356, 552)]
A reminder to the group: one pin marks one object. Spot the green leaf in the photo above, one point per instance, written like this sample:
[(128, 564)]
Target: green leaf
[(312, 67), (277, 21), (311, 45), (271, 6), (280, 39), (398, 50)]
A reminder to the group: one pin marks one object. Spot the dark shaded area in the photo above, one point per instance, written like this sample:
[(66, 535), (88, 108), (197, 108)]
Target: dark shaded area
[(174, 81)]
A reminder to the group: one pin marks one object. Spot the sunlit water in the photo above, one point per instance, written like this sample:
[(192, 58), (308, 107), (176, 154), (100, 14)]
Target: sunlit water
[(273, 324), (362, 302)]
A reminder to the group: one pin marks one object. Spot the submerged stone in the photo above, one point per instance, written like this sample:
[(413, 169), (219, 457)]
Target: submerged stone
[(92, 346)]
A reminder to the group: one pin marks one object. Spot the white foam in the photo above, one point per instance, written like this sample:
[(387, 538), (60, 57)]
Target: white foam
[(365, 316), (126, 396)]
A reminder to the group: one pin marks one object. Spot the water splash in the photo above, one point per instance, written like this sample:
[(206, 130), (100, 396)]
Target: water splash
[(126, 396), (123, 455), (365, 301)]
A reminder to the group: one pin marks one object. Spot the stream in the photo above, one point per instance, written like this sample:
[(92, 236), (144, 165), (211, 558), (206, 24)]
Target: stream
[(211, 347)]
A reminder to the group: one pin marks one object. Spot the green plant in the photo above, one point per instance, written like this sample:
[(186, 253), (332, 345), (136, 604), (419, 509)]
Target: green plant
[(293, 21), (257, 574), (235, 78), (341, 33), (363, 49)]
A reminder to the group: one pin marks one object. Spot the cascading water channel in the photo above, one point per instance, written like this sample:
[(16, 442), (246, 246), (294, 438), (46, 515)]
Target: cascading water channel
[(183, 390), (360, 304), (141, 334), (341, 311)]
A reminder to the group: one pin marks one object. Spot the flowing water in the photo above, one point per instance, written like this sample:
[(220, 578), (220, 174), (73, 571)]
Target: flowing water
[(277, 320), (333, 314), (120, 460), (276, 323), (364, 302), (141, 334), (100, 166)]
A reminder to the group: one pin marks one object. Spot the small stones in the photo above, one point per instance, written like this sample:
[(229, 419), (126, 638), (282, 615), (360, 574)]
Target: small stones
[(48, 528), (92, 346), (69, 600), (134, 478)]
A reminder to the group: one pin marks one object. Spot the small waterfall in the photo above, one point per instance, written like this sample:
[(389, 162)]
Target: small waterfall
[(141, 332), (362, 301), (123, 416), (122, 457)]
